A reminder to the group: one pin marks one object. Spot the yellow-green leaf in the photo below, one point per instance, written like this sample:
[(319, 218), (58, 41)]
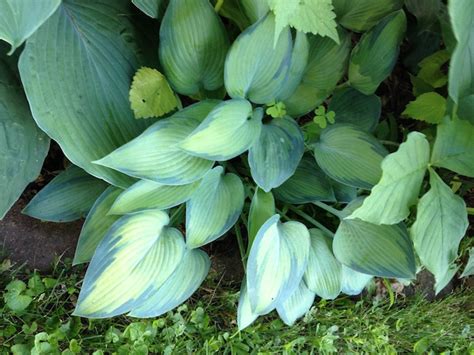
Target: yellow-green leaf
[(429, 107)]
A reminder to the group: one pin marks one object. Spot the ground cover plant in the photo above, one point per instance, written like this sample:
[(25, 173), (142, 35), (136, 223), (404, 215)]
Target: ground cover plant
[(194, 121)]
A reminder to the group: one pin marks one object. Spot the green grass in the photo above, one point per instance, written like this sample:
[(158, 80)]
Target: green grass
[(41, 322)]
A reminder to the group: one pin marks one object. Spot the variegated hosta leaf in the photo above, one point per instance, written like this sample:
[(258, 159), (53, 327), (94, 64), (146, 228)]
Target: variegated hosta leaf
[(245, 315), (214, 207), (152, 8), (129, 266), (96, 226), (276, 263), (308, 184), (398, 189), (147, 195), (441, 223), (323, 273), (183, 282), (155, 154), (353, 282), (374, 57), (228, 131), (193, 47), (275, 155), (254, 68), (69, 196), (262, 208), (296, 305), (349, 155), (327, 64)]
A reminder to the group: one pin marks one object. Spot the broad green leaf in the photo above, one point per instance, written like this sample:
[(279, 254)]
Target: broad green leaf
[(214, 207), (146, 195), (234, 11), (380, 250), (308, 184), (349, 155), (150, 94), (193, 47), (276, 263), (19, 19), (69, 196), (469, 268), (152, 8), (296, 305), (353, 282), (254, 10), (262, 208), (441, 223), (275, 155), (96, 226), (398, 189), (351, 106), (429, 107), (425, 11), (374, 57), (323, 273), (431, 69), (183, 282), (85, 110), (23, 146), (254, 68), (343, 193), (134, 259), (314, 16), (228, 131), (155, 154), (245, 316), (327, 64), (454, 147), (361, 15)]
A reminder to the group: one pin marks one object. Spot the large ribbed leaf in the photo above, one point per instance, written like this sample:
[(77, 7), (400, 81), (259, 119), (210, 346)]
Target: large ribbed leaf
[(228, 131), (214, 207), (23, 146), (245, 316), (97, 224), (262, 208), (134, 259), (69, 196), (275, 155), (193, 47), (155, 154), (398, 189), (76, 70), (296, 305), (374, 57), (441, 223), (254, 68), (353, 282), (152, 8), (19, 19), (276, 263), (349, 155)]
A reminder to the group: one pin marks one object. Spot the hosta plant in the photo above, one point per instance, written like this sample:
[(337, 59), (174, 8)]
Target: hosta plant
[(259, 120)]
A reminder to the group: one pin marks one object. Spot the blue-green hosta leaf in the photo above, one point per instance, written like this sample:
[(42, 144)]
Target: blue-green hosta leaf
[(97, 224), (228, 131), (441, 223), (349, 155), (398, 189), (351, 106), (152, 8), (469, 268), (183, 282), (353, 282), (23, 146), (262, 208), (327, 63), (19, 19), (296, 305), (254, 10), (254, 68), (454, 147), (343, 193), (214, 207), (380, 250), (91, 117), (276, 263), (69, 196), (308, 184), (134, 259), (323, 273), (193, 47), (146, 195), (374, 57), (245, 316), (155, 154), (275, 155)]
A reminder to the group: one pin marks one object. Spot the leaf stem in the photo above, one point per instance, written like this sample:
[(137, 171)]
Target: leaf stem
[(240, 242), (328, 208), (311, 220), (394, 144)]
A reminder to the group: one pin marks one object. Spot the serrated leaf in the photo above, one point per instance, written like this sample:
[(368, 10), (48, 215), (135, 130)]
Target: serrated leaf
[(429, 107), (398, 189), (152, 8), (296, 305), (214, 207), (69, 196), (431, 69), (275, 155), (469, 268), (245, 316), (262, 208), (353, 282)]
